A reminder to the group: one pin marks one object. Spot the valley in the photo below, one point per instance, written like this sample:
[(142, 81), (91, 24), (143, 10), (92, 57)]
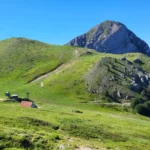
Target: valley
[(73, 113)]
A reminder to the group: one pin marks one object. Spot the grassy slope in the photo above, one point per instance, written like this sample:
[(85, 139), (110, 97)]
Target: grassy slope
[(92, 128), (63, 92), (22, 60)]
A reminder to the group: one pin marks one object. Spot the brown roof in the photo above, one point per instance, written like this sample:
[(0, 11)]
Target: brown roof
[(26, 104)]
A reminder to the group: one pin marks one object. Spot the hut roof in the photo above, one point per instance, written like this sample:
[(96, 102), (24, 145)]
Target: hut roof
[(26, 104)]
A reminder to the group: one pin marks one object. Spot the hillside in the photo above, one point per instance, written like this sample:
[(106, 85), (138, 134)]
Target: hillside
[(72, 72), (111, 37), (119, 79), (73, 112), (56, 126), (25, 59)]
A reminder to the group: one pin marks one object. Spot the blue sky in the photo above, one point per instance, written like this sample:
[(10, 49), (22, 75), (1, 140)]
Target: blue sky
[(58, 21)]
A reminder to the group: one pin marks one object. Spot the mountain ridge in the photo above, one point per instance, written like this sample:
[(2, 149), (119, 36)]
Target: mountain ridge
[(111, 37)]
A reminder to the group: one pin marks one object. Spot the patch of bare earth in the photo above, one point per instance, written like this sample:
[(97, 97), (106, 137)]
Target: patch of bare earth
[(56, 71), (88, 148)]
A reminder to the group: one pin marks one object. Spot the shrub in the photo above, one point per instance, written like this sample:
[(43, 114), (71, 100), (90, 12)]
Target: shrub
[(141, 109), (77, 111), (147, 104), (136, 101)]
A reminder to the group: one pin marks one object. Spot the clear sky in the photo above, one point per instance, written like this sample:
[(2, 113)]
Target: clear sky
[(58, 21)]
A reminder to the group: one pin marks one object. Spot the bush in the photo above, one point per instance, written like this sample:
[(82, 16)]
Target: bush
[(77, 111), (147, 104), (135, 102), (142, 109)]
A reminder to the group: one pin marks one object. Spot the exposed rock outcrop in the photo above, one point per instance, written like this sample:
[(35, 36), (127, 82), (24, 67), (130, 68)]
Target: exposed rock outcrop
[(117, 79), (111, 37)]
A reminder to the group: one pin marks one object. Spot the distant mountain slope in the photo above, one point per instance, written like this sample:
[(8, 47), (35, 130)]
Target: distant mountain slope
[(25, 59), (119, 79), (72, 73), (111, 37)]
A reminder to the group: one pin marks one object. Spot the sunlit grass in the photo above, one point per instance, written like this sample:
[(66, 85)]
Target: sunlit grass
[(68, 115)]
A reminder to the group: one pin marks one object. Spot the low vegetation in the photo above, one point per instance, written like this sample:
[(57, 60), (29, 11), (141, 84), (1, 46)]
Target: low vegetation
[(70, 115), (56, 125)]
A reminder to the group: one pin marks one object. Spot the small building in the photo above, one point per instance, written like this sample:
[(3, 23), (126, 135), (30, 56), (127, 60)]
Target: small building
[(28, 104), (15, 98)]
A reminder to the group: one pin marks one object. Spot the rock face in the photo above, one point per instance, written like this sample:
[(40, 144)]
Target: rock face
[(118, 79), (111, 37)]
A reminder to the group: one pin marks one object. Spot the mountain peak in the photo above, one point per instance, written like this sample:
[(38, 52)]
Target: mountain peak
[(111, 37), (110, 22)]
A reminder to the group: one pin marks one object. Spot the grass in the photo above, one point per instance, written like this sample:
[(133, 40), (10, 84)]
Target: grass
[(25, 59), (55, 124), (68, 115)]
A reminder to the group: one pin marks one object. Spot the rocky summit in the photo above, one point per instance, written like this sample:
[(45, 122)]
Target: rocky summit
[(111, 37)]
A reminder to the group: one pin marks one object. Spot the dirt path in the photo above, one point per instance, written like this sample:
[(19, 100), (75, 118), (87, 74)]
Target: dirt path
[(83, 148), (48, 74), (2, 99), (56, 71), (88, 148), (76, 53)]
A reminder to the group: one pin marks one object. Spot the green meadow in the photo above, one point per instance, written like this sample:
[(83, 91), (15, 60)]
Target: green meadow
[(68, 116), (72, 126)]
